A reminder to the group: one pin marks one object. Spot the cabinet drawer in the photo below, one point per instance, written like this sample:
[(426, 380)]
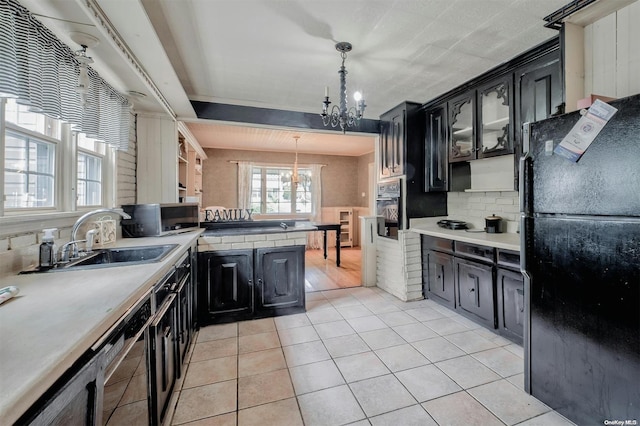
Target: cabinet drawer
[(474, 251), (508, 258), (437, 244)]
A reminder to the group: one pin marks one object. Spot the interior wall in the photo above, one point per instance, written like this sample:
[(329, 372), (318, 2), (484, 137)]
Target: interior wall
[(363, 179), (340, 176)]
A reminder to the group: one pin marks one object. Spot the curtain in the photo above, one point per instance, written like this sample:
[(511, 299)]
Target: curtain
[(244, 184), (314, 239), (42, 73)]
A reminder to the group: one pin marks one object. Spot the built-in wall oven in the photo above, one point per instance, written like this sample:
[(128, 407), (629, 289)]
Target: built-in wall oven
[(389, 207)]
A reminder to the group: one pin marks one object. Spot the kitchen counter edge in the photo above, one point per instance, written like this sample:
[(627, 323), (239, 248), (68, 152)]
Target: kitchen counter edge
[(506, 241), (56, 318)]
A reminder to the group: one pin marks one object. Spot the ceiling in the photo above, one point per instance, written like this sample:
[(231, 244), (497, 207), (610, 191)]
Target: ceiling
[(280, 54)]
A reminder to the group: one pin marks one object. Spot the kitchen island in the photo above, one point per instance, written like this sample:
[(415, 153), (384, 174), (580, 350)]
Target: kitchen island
[(252, 270), (58, 316)]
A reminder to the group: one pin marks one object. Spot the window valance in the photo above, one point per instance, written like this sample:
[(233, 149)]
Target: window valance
[(42, 72)]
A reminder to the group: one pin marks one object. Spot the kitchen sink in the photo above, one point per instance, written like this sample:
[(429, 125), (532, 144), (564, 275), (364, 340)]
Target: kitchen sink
[(120, 257)]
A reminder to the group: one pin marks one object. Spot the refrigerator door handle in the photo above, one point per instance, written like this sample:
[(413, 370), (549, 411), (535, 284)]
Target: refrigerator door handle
[(523, 185), (526, 338)]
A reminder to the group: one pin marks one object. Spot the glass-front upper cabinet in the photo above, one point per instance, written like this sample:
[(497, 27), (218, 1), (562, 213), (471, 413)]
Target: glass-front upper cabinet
[(462, 129), (495, 135)]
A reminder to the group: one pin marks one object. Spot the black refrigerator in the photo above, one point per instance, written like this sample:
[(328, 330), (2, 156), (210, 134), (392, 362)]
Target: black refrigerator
[(580, 256)]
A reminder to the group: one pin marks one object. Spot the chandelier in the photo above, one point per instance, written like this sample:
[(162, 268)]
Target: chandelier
[(346, 117)]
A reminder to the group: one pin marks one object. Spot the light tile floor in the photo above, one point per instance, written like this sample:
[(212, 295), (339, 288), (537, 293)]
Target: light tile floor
[(359, 356)]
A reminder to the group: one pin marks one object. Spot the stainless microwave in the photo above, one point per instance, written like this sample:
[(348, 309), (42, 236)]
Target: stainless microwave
[(154, 220)]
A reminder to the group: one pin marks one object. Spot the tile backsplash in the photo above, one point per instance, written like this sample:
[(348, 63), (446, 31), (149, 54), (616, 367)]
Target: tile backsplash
[(473, 207)]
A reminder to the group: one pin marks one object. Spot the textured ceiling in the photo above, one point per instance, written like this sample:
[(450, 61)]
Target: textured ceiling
[(280, 53)]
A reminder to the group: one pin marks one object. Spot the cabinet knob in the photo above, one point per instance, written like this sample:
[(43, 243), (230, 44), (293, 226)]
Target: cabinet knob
[(471, 290)]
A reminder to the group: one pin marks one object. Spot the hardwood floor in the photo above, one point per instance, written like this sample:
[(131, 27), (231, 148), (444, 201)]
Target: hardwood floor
[(321, 274)]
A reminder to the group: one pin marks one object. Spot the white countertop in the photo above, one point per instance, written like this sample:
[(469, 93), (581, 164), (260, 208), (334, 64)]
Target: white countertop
[(428, 226), (57, 316)]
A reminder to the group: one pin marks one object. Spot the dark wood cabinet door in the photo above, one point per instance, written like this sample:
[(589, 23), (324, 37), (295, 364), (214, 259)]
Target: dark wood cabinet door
[(397, 162), (163, 358), (495, 118), (438, 282), (392, 140), (539, 94), (462, 128), (475, 293), (279, 274), (385, 148), (184, 318), (436, 162), (510, 286), (76, 402), (226, 282)]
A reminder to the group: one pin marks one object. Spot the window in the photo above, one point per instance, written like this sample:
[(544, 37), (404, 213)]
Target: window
[(273, 193), (29, 177), (89, 180), (30, 146), (42, 170)]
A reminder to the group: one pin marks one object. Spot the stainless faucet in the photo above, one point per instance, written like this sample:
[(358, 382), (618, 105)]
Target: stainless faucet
[(73, 243)]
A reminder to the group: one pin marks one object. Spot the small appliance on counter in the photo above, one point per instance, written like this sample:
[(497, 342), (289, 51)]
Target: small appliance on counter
[(493, 224), (154, 220), (452, 224)]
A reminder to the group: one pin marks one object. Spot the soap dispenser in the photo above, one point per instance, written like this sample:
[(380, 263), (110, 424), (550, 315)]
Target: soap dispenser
[(48, 249)]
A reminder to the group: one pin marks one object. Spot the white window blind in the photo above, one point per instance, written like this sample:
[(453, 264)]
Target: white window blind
[(42, 72)]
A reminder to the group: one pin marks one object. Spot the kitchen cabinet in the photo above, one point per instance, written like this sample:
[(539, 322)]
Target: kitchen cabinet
[(244, 284), (510, 292), (475, 284), (462, 118), (438, 278), (436, 164), (169, 161), (437, 270), (184, 309), (539, 95), (462, 276), (226, 284), (163, 358), (495, 111), (392, 149), (402, 153), (279, 274), (74, 400), (474, 288), (480, 121)]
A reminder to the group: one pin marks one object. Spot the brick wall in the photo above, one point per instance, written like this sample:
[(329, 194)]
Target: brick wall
[(235, 242), (399, 267), (473, 207)]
